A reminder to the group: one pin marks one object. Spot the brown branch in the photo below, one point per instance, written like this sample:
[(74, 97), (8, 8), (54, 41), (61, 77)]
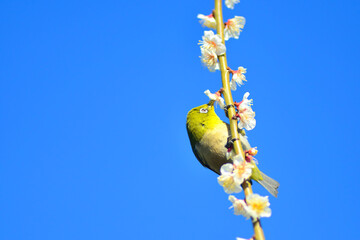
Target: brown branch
[(259, 234)]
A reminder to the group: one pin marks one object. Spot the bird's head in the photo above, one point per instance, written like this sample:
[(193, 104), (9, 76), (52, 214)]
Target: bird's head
[(201, 113), (199, 120), (203, 117)]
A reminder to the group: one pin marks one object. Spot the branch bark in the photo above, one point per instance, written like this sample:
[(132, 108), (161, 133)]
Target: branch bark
[(259, 234)]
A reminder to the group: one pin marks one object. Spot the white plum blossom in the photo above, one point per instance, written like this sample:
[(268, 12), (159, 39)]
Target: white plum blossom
[(233, 175), (240, 207), (244, 238), (238, 77), (254, 207), (245, 113), (227, 179), (258, 206), (209, 59), (233, 27), (242, 169), (216, 97), (213, 42), (230, 3), (207, 21)]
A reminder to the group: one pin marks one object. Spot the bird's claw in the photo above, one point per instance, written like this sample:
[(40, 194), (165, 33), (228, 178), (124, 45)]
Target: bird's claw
[(230, 142)]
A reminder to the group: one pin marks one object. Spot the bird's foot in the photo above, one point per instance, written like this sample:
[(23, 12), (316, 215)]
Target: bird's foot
[(229, 106), (230, 143)]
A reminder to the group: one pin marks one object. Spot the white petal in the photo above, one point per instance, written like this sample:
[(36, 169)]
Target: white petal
[(230, 154), (232, 198), (250, 124), (208, 34), (233, 84), (238, 159), (246, 95), (207, 21), (217, 66), (226, 168), (230, 3), (210, 95), (228, 183), (221, 49), (266, 213), (227, 34), (221, 103)]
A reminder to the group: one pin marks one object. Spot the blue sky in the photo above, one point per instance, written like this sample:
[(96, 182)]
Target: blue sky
[(93, 102)]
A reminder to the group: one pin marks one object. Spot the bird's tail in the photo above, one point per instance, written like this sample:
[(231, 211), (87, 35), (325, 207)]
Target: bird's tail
[(269, 184)]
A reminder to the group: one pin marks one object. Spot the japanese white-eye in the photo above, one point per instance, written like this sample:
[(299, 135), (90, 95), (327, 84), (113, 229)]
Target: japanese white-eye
[(209, 135)]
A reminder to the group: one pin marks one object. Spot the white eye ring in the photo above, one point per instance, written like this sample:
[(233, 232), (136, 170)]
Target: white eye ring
[(203, 110)]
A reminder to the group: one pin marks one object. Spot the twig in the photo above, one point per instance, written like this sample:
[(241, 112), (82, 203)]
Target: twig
[(259, 234)]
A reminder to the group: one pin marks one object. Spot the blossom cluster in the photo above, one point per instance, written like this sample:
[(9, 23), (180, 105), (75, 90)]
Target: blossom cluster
[(216, 97), (254, 207), (234, 174), (212, 45), (238, 77), (244, 113)]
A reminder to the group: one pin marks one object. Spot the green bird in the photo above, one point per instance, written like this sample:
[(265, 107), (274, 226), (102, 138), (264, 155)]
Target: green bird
[(208, 136)]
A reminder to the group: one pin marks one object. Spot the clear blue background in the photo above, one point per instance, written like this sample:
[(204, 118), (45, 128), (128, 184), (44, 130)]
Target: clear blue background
[(94, 97)]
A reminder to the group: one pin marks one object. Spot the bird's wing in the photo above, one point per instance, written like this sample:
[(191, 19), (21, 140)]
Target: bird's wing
[(193, 144), (199, 158)]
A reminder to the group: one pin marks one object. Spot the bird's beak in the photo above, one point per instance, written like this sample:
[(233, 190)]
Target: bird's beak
[(211, 105)]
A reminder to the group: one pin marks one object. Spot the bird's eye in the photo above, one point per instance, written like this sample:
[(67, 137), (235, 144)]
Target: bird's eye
[(203, 110)]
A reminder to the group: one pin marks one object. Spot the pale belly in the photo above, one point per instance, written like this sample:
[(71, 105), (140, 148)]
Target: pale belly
[(212, 150)]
